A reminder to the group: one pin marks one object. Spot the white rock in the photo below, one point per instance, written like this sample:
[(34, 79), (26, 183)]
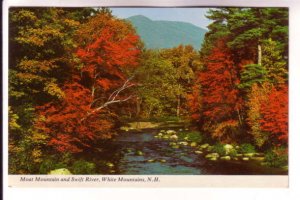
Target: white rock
[(175, 137), (62, 171), (225, 158)]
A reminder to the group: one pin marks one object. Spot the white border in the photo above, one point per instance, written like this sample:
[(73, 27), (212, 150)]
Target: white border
[(294, 113)]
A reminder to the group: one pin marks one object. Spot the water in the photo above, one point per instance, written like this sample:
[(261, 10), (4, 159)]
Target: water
[(142, 154)]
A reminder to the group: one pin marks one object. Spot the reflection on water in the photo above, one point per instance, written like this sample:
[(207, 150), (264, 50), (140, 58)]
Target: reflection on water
[(142, 154)]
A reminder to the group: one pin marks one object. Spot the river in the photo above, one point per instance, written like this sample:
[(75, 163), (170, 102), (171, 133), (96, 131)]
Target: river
[(140, 153)]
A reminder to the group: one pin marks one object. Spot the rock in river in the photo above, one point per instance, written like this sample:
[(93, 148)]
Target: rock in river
[(193, 144), (212, 155), (174, 137), (62, 171), (225, 158)]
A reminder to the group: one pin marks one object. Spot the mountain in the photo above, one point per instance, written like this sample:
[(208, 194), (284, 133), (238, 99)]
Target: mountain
[(167, 34)]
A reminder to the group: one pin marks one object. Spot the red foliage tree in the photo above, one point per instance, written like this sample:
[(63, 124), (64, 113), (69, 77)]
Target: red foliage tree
[(82, 117), (220, 96), (275, 114)]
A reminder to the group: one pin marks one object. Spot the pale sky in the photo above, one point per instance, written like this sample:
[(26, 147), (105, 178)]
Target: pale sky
[(194, 16)]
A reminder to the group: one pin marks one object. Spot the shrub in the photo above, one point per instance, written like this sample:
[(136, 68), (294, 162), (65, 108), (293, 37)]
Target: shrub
[(83, 167), (219, 148), (247, 148), (276, 157)]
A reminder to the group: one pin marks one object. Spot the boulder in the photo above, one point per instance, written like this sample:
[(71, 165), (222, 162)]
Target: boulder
[(258, 158), (62, 171), (228, 148), (193, 144), (184, 143), (171, 132), (110, 164), (259, 154), (245, 158), (204, 146), (225, 158), (139, 153), (249, 154), (174, 137), (166, 137), (211, 155)]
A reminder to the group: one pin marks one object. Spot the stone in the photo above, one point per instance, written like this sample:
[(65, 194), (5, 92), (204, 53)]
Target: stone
[(172, 143), (171, 132), (193, 144), (211, 155), (62, 171), (198, 152), (228, 148), (258, 158), (245, 158), (204, 146), (249, 154), (184, 143), (259, 154), (110, 164), (151, 160), (174, 137), (163, 161), (139, 153), (225, 158), (166, 137)]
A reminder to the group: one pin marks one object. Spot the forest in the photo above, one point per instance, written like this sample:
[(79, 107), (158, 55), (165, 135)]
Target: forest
[(79, 76)]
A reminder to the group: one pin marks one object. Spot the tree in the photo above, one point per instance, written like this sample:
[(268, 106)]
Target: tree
[(275, 115), (84, 115), (257, 95), (220, 96)]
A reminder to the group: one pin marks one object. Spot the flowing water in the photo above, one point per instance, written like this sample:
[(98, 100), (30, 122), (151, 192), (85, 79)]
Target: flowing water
[(139, 153)]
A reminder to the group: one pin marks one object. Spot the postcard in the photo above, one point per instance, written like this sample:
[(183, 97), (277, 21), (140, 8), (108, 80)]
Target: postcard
[(147, 96)]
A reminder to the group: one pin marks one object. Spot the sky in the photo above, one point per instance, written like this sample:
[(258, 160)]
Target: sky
[(194, 16)]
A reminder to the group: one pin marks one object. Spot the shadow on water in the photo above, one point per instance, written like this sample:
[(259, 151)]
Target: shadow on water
[(139, 153)]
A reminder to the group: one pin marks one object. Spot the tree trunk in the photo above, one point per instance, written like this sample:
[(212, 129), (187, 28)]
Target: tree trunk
[(178, 106), (259, 55)]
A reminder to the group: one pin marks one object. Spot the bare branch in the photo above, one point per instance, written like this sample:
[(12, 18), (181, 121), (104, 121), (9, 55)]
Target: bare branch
[(112, 98)]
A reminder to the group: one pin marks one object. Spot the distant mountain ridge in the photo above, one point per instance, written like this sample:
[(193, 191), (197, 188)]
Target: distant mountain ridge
[(167, 34)]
